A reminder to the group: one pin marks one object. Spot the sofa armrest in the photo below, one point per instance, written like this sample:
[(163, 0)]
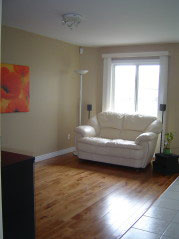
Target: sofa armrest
[(144, 137), (155, 127), (94, 123), (85, 131)]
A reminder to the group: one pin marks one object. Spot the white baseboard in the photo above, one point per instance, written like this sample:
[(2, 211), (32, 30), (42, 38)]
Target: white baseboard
[(54, 154)]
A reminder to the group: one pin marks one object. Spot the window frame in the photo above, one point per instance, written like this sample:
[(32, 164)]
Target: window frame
[(137, 63)]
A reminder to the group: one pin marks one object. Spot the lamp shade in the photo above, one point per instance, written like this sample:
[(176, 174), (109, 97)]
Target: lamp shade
[(81, 72)]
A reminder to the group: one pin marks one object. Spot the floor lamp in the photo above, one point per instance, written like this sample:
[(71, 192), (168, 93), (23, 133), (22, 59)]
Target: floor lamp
[(162, 108), (81, 73)]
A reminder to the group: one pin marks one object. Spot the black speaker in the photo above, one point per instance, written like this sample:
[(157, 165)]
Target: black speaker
[(89, 107), (162, 107)]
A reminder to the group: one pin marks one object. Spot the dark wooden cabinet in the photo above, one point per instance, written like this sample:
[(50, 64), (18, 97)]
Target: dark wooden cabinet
[(166, 163), (17, 196)]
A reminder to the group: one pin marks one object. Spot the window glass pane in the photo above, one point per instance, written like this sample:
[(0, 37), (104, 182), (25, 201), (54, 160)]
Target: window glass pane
[(124, 92), (148, 89)]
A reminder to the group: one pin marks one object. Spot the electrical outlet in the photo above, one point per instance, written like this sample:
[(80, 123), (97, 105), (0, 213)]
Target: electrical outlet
[(68, 136)]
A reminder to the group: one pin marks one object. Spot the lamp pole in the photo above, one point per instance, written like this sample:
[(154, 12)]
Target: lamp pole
[(81, 73), (81, 95), (162, 108)]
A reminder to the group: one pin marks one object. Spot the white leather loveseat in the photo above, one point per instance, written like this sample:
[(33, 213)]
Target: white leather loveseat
[(122, 139)]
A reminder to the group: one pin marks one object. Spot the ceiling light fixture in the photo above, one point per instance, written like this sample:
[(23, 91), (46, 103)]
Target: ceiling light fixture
[(71, 20)]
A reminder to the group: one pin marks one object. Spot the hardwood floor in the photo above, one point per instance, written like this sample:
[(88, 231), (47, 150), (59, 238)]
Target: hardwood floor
[(78, 199)]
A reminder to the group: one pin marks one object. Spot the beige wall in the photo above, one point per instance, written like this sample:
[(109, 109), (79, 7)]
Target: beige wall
[(173, 82), (54, 90)]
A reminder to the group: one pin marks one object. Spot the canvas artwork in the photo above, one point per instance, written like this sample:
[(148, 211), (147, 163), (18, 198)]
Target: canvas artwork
[(14, 88)]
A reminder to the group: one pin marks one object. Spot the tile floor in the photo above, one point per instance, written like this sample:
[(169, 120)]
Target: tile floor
[(161, 221)]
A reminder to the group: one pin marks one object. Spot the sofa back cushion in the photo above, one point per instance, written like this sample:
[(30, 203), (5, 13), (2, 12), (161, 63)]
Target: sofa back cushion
[(134, 125), (110, 120), (137, 122), (111, 124), (124, 126)]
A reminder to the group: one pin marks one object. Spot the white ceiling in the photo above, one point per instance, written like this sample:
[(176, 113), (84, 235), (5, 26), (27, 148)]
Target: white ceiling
[(104, 23)]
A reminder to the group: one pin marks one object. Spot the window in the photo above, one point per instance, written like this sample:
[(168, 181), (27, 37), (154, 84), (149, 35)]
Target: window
[(135, 82), (135, 86)]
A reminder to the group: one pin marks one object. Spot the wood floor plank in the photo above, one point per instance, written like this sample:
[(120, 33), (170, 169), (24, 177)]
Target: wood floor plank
[(81, 199)]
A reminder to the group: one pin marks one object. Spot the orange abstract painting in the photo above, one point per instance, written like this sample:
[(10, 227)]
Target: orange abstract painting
[(14, 88)]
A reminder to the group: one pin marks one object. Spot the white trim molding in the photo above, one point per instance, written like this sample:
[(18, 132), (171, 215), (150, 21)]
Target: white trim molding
[(136, 54), (54, 154)]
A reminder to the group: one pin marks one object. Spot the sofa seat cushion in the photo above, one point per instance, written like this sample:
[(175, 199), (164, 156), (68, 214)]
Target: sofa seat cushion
[(115, 147), (110, 142)]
